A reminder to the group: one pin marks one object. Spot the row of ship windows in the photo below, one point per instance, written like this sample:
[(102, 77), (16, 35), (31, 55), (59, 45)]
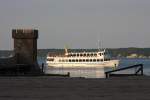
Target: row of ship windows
[(85, 54), (82, 60)]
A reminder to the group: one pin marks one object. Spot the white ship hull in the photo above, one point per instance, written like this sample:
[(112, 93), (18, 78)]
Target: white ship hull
[(111, 63)]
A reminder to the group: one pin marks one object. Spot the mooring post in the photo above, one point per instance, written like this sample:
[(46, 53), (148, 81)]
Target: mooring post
[(142, 69), (107, 75), (43, 67), (68, 74)]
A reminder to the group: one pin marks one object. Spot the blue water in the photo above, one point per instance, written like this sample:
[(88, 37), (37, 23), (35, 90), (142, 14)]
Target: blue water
[(97, 72), (130, 62)]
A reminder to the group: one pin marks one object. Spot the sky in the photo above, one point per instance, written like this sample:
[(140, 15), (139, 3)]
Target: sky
[(78, 23)]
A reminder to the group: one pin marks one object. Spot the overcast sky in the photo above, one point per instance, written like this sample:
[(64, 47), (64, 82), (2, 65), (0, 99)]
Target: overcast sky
[(78, 23)]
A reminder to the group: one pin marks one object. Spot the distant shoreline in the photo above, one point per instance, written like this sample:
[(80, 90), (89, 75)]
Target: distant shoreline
[(115, 52)]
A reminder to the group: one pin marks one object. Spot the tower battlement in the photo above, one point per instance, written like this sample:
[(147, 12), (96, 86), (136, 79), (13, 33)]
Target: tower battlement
[(24, 33)]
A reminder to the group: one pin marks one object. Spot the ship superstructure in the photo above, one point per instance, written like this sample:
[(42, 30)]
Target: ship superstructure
[(99, 58)]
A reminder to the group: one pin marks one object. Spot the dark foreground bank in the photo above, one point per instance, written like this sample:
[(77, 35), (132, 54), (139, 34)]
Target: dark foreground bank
[(59, 88)]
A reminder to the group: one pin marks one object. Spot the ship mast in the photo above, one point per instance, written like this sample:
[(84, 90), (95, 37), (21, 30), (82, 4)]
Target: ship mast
[(99, 45), (66, 51)]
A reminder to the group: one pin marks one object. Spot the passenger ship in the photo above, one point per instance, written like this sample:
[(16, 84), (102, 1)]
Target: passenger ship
[(81, 59)]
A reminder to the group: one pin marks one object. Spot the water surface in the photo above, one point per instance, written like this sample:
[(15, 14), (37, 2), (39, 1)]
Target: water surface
[(94, 72)]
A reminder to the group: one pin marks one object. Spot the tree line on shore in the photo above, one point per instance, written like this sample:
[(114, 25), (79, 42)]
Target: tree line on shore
[(114, 52)]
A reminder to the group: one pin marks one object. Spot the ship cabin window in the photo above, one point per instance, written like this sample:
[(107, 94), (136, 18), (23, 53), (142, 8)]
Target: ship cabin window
[(76, 60), (73, 60), (91, 54), (88, 54), (83, 60), (100, 54), (84, 54), (81, 55), (90, 60), (106, 59), (95, 54), (101, 59), (50, 59), (69, 60), (87, 60), (80, 60), (98, 60), (77, 55), (94, 60)]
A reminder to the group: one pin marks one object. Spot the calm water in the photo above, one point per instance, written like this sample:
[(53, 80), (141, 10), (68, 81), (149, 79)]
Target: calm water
[(97, 72)]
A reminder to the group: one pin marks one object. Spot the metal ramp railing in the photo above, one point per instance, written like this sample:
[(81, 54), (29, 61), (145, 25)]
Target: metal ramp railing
[(139, 71)]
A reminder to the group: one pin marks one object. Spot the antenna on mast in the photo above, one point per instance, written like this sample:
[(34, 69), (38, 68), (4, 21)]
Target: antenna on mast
[(98, 45)]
